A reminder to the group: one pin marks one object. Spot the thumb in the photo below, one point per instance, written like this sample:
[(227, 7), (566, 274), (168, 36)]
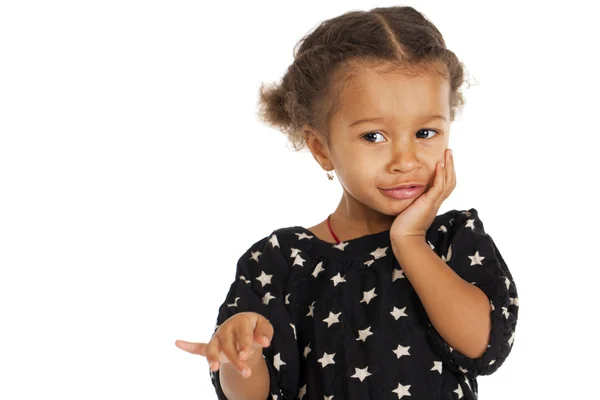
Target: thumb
[(263, 332)]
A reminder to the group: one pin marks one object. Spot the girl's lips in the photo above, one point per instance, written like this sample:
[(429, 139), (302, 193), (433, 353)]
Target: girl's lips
[(403, 193)]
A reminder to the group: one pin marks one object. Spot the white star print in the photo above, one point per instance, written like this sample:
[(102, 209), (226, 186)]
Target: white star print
[(298, 261), (318, 269), (430, 245), (398, 274), (443, 229), (447, 257), (512, 338), (492, 362), (505, 312), (514, 301), (294, 252), (328, 397), (401, 351), (467, 382), (243, 278), (234, 304), (255, 255), (287, 298), (463, 370), (307, 350), (361, 373), (302, 392), (264, 278), (341, 246), (402, 391), (311, 308), (437, 366), (332, 319), (294, 328), (492, 306), (367, 296), (337, 279), (364, 333), (274, 396), (369, 262), (379, 253), (398, 313), (459, 392), (470, 224), (326, 359), (274, 241), (277, 361), (304, 236), (476, 259), (267, 297), (507, 282)]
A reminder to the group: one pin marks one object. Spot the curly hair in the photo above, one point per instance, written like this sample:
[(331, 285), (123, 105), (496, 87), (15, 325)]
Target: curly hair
[(309, 92)]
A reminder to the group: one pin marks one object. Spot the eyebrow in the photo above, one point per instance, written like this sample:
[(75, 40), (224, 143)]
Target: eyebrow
[(360, 121)]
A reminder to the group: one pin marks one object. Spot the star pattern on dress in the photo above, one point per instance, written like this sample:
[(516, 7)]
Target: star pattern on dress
[(234, 304), (401, 351), (397, 313), (255, 255), (326, 359), (318, 269), (368, 296), (379, 253), (274, 241), (459, 392), (361, 373), (299, 261), (307, 350), (476, 259), (277, 362), (341, 246), (267, 297), (264, 279), (311, 310), (302, 392), (321, 300), (338, 279), (363, 334), (397, 274), (304, 236), (332, 318), (402, 390), (470, 224)]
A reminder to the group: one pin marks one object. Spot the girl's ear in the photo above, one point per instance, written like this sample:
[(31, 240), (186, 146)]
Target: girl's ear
[(317, 144)]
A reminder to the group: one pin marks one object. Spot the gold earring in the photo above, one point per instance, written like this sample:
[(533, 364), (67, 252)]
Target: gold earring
[(329, 175)]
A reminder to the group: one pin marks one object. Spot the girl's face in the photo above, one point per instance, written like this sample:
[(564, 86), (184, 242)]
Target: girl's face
[(406, 135)]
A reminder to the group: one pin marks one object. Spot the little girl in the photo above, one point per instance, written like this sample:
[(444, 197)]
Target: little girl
[(384, 299)]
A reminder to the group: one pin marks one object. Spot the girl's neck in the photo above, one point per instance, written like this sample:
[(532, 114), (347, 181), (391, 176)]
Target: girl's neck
[(349, 222)]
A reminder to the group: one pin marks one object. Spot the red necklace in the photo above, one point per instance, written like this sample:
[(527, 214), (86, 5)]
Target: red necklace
[(337, 241)]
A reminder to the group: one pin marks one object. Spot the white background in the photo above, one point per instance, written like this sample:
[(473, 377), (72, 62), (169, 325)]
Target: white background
[(134, 173)]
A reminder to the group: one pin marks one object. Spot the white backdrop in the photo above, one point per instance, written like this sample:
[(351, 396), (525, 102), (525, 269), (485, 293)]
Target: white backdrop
[(134, 173)]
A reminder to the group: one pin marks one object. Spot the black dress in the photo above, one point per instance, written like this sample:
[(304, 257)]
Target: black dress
[(349, 325)]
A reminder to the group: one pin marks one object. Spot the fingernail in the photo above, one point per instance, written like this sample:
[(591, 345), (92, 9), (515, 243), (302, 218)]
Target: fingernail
[(450, 153), (245, 372)]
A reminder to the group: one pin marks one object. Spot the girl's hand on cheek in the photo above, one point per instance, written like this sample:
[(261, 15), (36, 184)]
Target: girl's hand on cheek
[(417, 218)]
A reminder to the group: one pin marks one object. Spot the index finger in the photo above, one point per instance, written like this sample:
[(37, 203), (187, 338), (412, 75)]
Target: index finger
[(190, 347)]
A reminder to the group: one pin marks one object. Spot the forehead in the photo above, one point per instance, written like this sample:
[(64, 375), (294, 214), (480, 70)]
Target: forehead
[(393, 93)]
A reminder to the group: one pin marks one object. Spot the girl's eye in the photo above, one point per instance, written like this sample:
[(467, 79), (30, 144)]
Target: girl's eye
[(371, 135), (429, 130)]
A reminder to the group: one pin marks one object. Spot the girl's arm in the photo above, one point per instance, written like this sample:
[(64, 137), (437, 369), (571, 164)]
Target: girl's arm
[(458, 310), (255, 387)]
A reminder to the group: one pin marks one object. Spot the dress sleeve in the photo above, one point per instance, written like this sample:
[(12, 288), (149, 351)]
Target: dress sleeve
[(473, 255), (259, 287)]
